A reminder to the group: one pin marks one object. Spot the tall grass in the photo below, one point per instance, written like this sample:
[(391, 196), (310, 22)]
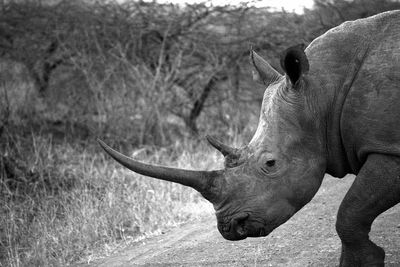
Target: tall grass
[(62, 202)]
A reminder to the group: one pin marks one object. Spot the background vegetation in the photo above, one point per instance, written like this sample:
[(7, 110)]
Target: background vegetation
[(151, 79)]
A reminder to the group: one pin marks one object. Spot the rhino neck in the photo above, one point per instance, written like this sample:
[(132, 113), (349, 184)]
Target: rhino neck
[(335, 72), (337, 164)]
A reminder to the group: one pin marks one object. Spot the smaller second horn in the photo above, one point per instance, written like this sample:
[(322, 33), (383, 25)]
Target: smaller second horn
[(224, 149)]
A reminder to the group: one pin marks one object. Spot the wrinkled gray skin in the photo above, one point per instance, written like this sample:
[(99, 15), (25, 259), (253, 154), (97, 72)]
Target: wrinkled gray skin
[(336, 110)]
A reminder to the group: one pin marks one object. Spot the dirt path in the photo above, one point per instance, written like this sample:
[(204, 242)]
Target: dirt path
[(308, 239)]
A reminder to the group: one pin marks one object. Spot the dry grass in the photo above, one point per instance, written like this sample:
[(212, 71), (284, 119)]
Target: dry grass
[(63, 203), (63, 200)]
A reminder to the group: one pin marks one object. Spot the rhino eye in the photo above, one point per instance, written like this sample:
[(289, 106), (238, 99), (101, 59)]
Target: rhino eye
[(270, 163)]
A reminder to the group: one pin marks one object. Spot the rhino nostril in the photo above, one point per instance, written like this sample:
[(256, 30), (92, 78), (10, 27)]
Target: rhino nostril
[(238, 224), (241, 230), (226, 227)]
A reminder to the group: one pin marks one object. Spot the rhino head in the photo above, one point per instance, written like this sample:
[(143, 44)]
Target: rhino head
[(265, 182)]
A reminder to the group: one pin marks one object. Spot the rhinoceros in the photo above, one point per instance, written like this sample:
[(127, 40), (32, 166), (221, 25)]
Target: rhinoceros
[(335, 110)]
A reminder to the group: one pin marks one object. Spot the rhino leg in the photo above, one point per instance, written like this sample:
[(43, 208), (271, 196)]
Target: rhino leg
[(375, 189)]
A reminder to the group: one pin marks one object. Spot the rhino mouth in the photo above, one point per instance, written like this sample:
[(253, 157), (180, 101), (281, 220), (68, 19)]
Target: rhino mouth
[(242, 226), (244, 233), (262, 232)]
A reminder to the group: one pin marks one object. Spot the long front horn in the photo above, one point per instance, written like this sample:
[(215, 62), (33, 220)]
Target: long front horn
[(199, 180)]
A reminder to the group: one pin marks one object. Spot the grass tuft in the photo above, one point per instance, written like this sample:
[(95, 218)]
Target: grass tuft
[(62, 203)]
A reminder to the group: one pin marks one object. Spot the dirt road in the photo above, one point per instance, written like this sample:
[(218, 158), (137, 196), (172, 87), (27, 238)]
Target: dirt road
[(308, 239)]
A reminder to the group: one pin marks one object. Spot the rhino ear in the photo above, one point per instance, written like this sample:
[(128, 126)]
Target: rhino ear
[(295, 63), (264, 73)]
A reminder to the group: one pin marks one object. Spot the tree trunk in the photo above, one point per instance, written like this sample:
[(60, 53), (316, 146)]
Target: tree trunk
[(198, 105)]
